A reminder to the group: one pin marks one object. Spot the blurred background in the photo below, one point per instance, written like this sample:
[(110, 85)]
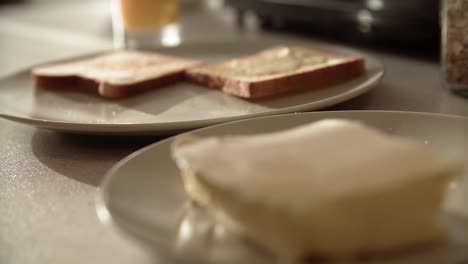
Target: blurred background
[(60, 27), (398, 24)]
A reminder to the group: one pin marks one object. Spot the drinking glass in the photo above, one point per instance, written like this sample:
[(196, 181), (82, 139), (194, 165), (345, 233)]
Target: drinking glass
[(145, 23)]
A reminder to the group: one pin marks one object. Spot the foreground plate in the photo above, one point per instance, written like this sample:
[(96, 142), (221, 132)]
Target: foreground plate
[(171, 109), (143, 194)]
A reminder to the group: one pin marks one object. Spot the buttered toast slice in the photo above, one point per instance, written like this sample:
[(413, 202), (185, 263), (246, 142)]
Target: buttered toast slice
[(278, 70), (115, 74)]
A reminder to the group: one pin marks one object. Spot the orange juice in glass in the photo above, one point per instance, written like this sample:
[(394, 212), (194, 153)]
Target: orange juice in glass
[(145, 23)]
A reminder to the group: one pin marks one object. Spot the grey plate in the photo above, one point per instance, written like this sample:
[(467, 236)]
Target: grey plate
[(170, 109), (144, 197)]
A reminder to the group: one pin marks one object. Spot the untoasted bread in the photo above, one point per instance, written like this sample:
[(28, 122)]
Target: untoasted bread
[(114, 75), (278, 70)]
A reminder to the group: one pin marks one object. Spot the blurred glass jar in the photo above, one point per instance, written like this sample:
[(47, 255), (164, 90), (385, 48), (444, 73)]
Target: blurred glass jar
[(455, 45), (145, 23)]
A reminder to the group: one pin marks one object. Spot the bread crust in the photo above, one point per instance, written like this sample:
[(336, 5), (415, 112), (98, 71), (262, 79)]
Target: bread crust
[(104, 89), (278, 84), (76, 79)]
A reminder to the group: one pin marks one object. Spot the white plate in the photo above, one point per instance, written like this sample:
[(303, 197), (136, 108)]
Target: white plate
[(171, 109), (144, 197)]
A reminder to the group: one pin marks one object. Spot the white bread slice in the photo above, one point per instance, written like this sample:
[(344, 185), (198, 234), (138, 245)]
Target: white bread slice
[(115, 74), (278, 70), (334, 188)]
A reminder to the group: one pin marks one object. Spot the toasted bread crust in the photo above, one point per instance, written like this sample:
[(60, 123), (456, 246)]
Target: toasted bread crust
[(102, 88), (101, 74), (277, 84)]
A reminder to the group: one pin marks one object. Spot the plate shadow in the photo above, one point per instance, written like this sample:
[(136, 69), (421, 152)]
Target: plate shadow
[(81, 157)]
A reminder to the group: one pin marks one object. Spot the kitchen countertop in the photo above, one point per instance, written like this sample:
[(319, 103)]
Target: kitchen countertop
[(49, 180)]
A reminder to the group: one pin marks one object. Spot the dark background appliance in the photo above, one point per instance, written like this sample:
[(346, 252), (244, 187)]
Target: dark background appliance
[(407, 25)]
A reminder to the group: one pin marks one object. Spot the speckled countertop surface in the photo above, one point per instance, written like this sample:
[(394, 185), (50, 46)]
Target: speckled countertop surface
[(47, 188), (48, 180)]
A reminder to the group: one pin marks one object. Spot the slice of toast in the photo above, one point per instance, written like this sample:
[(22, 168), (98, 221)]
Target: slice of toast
[(278, 70), (115, 74)]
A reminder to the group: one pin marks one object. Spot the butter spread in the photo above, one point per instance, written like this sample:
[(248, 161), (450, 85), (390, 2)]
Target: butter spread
[(272, 61), (333, 187)]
